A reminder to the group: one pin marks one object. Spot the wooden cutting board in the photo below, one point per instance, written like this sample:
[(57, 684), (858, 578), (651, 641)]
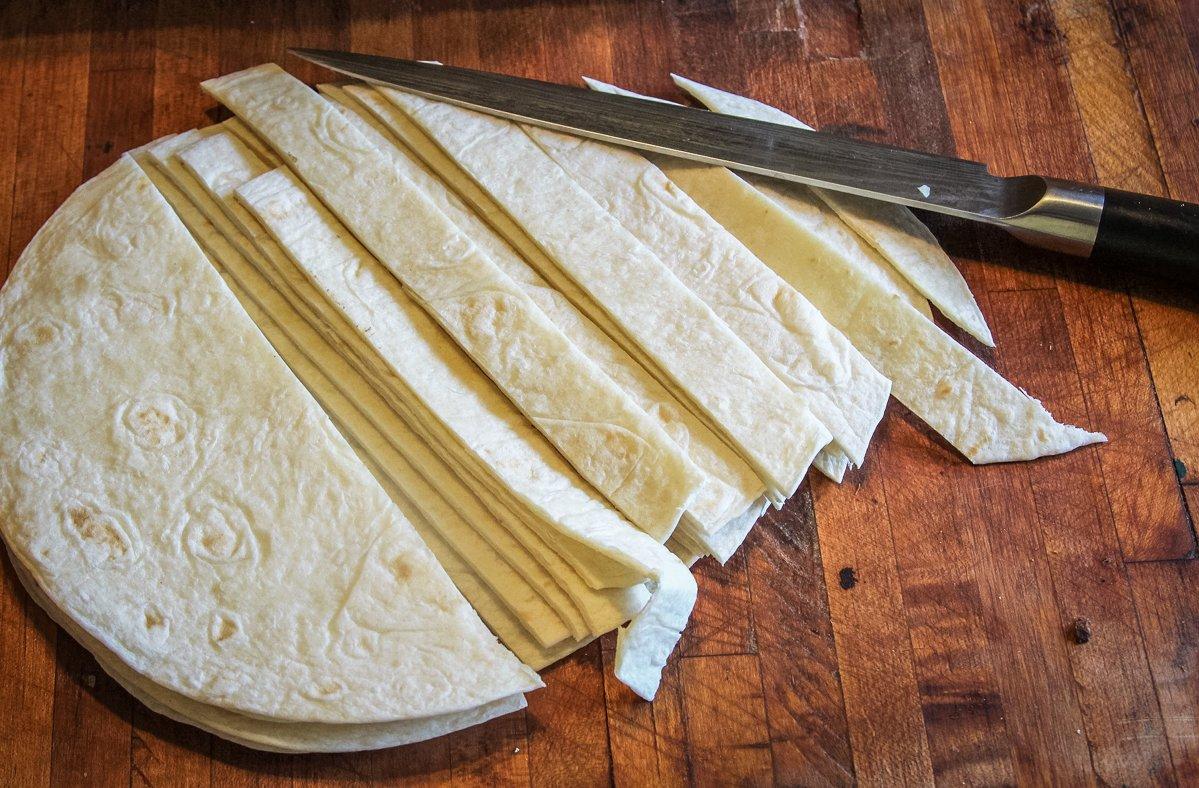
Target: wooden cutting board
[(916, 623)]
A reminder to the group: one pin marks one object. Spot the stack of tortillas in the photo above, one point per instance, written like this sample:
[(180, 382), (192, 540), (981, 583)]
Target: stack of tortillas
[(325, 426)]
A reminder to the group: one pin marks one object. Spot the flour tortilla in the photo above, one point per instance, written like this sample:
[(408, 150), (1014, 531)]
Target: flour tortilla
[(730, 485), (864, 261), (891, 229), (754, 410), (260, 734), (305, 212), (562, 588), (366, 419), (653, 632), (373, 297), (176, 539), (584, 414), (814, 359)]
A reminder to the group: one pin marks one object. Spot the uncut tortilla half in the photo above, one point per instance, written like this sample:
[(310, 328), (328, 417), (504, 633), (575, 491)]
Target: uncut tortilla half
[(180, 496), (261, 734)]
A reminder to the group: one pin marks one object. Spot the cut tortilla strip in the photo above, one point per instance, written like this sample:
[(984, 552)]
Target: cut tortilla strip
[(803, 240), (725, 380), (864, 260), (596, 426), (814, 359), (153, 507), (891, 229), (256, 732), (349, 400), (730, 485), (584, 610)]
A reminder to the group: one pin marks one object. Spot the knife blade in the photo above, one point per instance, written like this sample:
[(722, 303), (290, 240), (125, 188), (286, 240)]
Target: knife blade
[(1065, 216)]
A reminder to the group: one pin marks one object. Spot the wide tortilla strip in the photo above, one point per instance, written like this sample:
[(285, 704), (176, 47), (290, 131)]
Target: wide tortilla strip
[(596, 426), (753, 409), (730, 484)]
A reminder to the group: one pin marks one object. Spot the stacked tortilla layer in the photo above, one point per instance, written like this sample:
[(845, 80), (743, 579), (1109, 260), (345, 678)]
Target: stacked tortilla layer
[(512, 371)]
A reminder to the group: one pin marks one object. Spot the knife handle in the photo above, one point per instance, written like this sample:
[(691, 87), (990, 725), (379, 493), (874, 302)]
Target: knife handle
[(1150, 233)]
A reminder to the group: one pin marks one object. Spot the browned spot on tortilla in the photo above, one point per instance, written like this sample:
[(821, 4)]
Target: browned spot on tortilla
[(97, 530), (400, 569)]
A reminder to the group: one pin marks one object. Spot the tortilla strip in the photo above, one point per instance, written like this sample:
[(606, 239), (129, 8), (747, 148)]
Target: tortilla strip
[(754, 410), (348, 400), (585, 415), (583, 609), (814, 359), (891, 229), (730, 485), (255, 732), (804, 241), (151, 504), (864, 261)]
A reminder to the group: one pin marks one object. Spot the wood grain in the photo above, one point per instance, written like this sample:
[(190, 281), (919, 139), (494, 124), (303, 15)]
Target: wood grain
[(913, 625)]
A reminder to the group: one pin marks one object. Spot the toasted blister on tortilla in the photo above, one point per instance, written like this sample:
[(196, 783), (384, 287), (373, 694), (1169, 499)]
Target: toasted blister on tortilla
[(437, 502), (891, 229), (770, 427), (730, 485), (813, 358), (608, 439), (151, 492)]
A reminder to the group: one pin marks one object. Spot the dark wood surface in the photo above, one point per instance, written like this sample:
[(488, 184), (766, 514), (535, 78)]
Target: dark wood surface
[(911, 625)]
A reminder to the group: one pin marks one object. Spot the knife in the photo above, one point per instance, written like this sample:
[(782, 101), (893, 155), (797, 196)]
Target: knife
[(1109, 226)]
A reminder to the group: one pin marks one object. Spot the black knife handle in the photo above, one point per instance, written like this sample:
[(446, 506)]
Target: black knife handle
[(1149, 233)]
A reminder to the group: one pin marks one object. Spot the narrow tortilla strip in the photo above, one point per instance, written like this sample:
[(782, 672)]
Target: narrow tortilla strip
[(891, 229), (585, 415), (865, 262), (256, 732), (968, 403), (347, 401), (814, 359), (167, 469), (762, 418), (730, 484), (583, 609)]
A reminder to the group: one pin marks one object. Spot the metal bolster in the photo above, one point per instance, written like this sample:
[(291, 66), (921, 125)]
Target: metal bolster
[(1065, 218)]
